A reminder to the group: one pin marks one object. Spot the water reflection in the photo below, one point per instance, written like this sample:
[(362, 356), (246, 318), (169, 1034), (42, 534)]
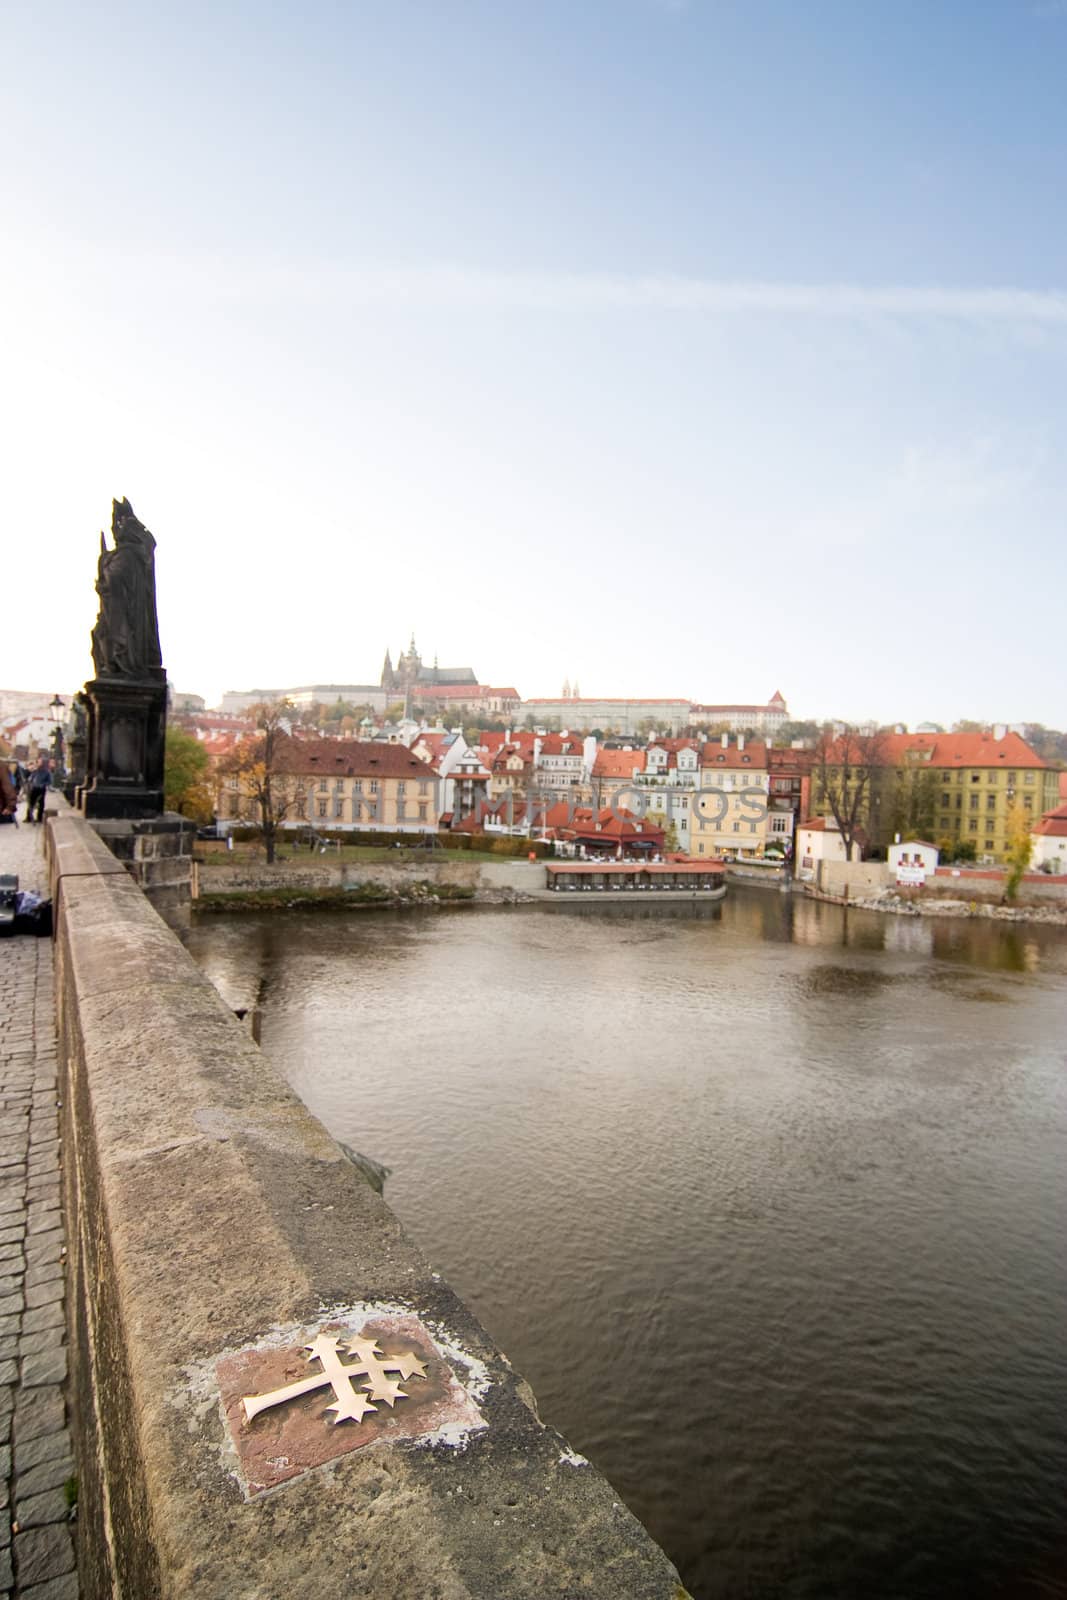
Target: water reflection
[(766, 1201)]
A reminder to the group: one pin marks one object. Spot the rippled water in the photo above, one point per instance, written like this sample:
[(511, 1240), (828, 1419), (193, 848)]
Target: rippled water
[(767, 1202)]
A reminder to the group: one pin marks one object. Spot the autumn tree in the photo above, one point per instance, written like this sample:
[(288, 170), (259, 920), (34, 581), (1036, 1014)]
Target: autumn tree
[(847, 766), (186, 786), (258, 767), (1020, 847), (912, 801)]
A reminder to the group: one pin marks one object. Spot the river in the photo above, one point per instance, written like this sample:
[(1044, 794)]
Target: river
[(767, 1201)]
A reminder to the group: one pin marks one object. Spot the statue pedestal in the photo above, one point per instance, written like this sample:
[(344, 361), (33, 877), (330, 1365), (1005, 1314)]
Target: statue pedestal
[(127, 725)]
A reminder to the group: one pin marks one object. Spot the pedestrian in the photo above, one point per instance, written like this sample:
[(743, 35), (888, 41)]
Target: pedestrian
[(38, 786), (8, 795)]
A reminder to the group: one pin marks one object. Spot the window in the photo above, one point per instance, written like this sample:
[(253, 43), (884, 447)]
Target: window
[(945, 797), (959, 801), (972, 826), (339, 806), (374, 786), (991, 802), (1028, 802), (401, 810), (322, 806), (974, 802), (322, 785), (737, 827), (357, 785), (993, 775), (989, 844), (1029, 778), (424, 787), (357, 811), (401, 787), (422, 810)]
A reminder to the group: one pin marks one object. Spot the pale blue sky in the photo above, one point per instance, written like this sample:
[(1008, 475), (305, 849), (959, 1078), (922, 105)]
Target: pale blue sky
[(698, 347)]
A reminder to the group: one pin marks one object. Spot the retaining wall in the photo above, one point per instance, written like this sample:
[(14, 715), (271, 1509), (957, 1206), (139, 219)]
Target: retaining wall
[(211, 1216), (517, 876)]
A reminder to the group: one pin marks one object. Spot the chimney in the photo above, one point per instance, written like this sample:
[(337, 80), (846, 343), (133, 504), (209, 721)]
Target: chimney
[(1000, 730), (740, 741), (726, 741)]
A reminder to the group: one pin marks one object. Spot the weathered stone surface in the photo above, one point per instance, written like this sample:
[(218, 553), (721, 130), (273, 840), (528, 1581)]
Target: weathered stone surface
[(42, 1553), (37, 1411), (45, 1366), (50, 1316), (49, 1475), (37, 1510), (65, 1588), (30, 1453)]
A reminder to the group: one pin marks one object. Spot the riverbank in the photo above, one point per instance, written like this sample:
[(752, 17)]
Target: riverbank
[(897, 905), (361, 897)]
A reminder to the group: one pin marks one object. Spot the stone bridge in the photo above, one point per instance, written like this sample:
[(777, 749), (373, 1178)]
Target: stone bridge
[(271, 1392)]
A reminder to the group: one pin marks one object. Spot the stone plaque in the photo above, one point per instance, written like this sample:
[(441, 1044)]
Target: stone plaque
[(338, 1386)]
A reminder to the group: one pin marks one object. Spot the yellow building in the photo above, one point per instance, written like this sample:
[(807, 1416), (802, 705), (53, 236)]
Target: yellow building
[(341, 784), (949, 788), (729, 814)]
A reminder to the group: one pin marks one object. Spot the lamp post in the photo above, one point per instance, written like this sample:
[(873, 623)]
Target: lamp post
[(57, 707)]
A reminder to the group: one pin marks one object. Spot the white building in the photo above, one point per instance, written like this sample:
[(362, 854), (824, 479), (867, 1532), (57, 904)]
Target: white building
[(820, 839), (1050, 842), (765, 720), (912, 861)]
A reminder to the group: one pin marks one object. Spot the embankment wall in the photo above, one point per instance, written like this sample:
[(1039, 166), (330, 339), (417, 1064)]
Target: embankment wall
[(210, 1213), (515, 876)]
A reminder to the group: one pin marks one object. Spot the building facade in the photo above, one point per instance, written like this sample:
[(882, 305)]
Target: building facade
[(950, 787), (765, 720)]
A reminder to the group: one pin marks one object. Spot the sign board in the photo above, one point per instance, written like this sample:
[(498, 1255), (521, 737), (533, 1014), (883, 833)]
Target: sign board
[(910, 874)]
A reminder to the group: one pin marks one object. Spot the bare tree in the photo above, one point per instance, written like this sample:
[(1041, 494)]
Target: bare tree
[(846, 770), (258, 766)]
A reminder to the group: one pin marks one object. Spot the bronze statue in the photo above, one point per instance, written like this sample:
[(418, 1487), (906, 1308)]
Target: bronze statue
[(125, 640)]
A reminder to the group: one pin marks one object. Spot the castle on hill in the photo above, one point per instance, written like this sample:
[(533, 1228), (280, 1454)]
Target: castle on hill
[(410, 673)]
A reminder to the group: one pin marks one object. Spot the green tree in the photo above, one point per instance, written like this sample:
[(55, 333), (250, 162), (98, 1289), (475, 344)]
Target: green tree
[(1020, 848), (960, 850), (659, 819), (912, 800), (186, 785), (796, 730)]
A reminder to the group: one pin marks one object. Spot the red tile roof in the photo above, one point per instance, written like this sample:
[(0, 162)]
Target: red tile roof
[(1053, 824), (618, 763), (348, 758), (753, 755), (951, 750)]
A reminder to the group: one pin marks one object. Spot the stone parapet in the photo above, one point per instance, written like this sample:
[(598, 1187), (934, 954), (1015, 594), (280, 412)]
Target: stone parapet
[(215, 1227), (157, 852)]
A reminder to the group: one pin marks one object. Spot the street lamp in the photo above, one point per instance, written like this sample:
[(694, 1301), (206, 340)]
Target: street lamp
[(57, 707)]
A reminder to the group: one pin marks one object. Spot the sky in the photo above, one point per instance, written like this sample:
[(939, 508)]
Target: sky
[(681, 347)]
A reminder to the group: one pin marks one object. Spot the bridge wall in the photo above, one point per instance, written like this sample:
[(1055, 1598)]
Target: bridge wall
[(209, 1212)]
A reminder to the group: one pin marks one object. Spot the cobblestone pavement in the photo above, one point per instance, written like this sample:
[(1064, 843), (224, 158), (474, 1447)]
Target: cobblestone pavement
[(36, 1463)]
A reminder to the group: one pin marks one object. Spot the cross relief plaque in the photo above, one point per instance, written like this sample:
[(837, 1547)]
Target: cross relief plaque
[(294, 1405)]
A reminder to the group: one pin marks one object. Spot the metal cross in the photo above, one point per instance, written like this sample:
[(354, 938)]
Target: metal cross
[(349, 1403)]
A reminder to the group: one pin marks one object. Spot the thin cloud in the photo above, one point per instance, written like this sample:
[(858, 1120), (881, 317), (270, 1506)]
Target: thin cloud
[(448, 286), (226, 278)]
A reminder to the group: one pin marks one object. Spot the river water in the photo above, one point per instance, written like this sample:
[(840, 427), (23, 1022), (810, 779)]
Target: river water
[(767, 1201)]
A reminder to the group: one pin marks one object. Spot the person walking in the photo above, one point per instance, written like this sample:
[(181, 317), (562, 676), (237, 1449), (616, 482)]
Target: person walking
[(38, 786), (8, 794)]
